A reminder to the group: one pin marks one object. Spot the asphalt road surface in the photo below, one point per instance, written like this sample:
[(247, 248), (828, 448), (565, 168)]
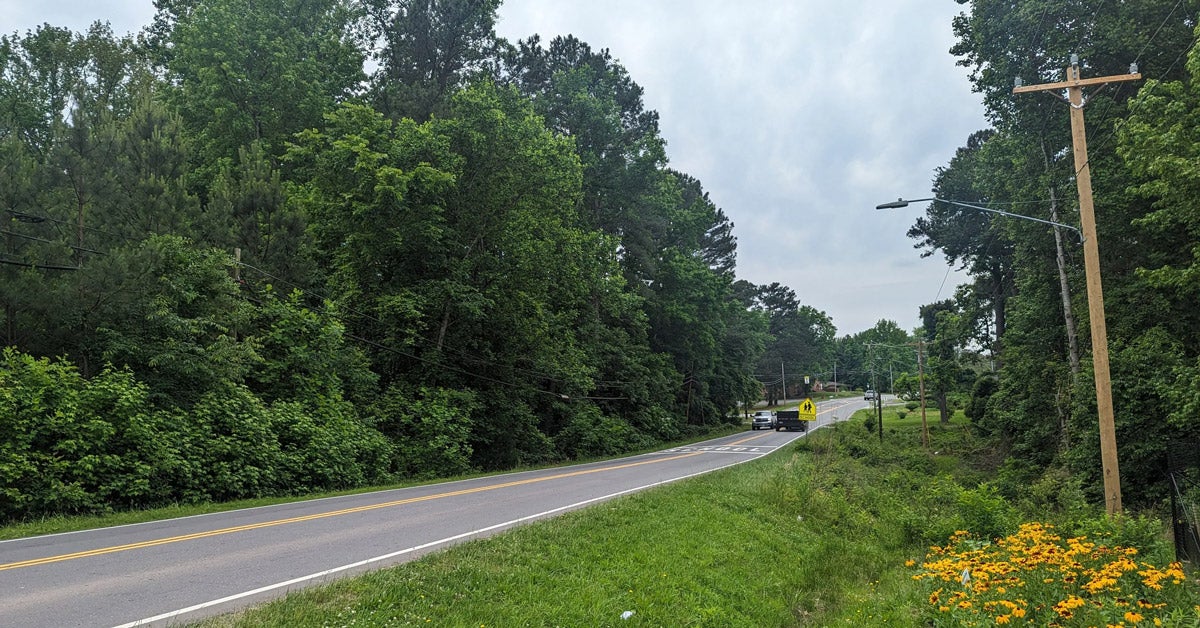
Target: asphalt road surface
[(178, 570)]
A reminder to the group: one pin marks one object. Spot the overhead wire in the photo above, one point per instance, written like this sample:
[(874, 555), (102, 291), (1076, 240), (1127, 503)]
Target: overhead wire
[(1111, 133), (1118, 90)]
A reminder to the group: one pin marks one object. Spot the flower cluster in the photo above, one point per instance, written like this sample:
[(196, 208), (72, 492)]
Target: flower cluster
[(1036, 577)]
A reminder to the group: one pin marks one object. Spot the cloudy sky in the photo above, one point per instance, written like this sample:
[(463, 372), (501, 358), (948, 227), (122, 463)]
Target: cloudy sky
[(798, 116)]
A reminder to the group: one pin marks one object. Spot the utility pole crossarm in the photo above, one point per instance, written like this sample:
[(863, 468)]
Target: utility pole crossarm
[(1100, 80)]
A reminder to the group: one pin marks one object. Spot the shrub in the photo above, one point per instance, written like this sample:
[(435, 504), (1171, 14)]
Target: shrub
[(327, 447), (233, 453), (985, 512), (430, 429), (591, 433)]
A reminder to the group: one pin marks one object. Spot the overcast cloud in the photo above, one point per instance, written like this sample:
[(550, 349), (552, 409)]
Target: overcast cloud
[(797, 116)]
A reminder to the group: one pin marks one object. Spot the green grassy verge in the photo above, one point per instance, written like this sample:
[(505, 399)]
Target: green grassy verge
[(57, 525), (817, 534), (827, 532)]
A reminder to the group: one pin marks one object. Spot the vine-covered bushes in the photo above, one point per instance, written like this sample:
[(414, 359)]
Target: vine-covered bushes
[(75, 445)]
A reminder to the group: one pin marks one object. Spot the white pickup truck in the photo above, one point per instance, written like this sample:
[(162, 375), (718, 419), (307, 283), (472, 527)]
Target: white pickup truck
[(763, 420)]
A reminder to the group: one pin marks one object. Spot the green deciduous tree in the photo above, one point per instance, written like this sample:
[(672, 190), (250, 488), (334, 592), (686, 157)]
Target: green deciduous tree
[(247, 71)]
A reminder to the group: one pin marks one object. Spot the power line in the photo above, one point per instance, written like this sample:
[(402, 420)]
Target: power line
[(38, 266)]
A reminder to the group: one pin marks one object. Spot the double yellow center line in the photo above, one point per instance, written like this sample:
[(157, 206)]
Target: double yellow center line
[(323, 515)]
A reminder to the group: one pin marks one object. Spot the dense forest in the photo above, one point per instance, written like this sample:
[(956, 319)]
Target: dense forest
[(1027, 304), (275, 247), (278, 246)]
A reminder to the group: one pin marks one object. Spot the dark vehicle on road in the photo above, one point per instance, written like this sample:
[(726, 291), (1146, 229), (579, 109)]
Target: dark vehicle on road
[(790, 420)]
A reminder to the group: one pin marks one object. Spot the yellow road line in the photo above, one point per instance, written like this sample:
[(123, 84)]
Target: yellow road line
[(744, 440), (278, 522)]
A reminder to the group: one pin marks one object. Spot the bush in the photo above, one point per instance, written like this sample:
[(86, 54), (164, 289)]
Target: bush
[(590, 433), (430, 429), (233, 453), (327, 447), (986, 513)]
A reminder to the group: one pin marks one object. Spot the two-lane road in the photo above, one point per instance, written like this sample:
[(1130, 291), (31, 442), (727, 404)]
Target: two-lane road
[(183, 569)]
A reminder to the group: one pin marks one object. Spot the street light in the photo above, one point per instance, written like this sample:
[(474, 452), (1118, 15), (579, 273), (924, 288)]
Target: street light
[(904, 203), (1095, 293)]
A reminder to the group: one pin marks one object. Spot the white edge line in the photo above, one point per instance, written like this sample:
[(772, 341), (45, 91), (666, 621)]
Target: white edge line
[(347, 496), (362, 563)]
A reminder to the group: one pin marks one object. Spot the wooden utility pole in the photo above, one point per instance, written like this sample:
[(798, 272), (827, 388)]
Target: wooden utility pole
[(1091, 258), (921, 379)]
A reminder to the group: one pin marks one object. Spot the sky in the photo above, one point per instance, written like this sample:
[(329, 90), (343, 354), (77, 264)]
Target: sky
[(797, 116)]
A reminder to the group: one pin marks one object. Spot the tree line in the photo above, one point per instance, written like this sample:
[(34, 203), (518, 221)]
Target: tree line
[(1026, 307), (273, 247)]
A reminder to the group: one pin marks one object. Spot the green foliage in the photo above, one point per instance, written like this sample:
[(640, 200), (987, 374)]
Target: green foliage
[(328, 447), (512, 277), (74, 445), (591, 434), (173, 319), (304, 353), (245, 71), (1029, 288), (430, 430), (985, 386), (428, 50), (1057, 494), (984, 512)]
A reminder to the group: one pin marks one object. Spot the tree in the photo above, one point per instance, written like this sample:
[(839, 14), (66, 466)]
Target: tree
[(942, 328), (429, 50), (970, 238), (248, 71), (249, 210), (801, 338), (1027, 160), (587, 96)]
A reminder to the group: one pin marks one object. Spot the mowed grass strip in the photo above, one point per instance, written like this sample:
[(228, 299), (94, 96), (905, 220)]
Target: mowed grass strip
[(815, 535)]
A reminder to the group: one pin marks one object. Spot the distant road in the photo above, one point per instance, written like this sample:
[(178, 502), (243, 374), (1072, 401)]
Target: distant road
[(179, 570)]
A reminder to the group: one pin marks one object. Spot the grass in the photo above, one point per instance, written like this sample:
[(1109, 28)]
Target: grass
[(815, 535), (834, 530)]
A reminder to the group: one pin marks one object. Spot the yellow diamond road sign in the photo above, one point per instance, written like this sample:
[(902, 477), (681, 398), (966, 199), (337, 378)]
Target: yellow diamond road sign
[(808, 410)]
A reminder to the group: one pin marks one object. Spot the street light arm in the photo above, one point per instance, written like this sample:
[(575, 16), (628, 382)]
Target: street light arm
[(904, 203)]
